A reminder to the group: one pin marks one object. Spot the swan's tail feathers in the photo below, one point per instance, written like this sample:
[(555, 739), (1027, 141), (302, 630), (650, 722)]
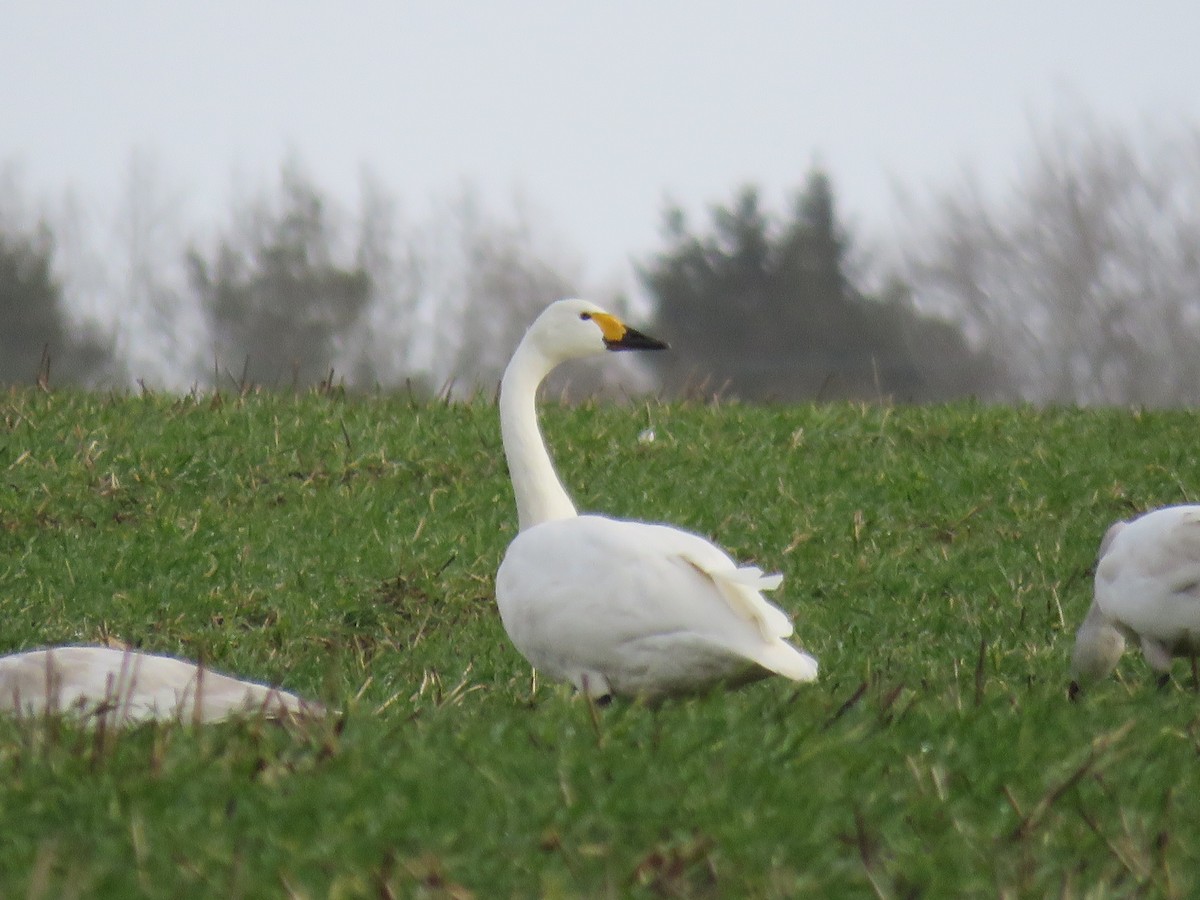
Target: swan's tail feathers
[(753, 577), (741, 589), (273, 703), (784, 659)]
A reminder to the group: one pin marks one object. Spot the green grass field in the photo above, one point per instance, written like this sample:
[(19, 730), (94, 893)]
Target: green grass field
[(937, 562)]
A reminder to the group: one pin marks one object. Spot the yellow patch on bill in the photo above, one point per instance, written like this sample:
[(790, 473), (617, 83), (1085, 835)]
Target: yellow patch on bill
[(611, 327)]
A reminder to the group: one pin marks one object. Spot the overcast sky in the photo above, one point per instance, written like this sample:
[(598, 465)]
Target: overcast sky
[(595, 112)]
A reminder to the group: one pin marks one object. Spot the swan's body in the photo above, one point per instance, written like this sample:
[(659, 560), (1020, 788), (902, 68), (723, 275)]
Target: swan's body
[(1147, 589), (618, 607), (125, 686)]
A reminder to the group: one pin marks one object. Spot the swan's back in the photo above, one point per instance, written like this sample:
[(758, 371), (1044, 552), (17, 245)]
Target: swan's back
[(125, 686), (649, 608), (1148, 574)]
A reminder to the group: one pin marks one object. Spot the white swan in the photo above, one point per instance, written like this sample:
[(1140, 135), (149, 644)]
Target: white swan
[(124, 686), (1147, 589), (618, 607)]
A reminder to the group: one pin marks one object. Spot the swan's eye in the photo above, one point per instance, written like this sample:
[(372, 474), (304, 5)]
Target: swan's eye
[(585, 316)]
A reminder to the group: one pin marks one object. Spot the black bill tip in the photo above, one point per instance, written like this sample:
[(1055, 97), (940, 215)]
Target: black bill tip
[(633, 339)]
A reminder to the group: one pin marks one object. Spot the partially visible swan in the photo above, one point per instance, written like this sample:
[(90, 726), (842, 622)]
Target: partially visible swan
[(125, 686), (619, 607), (1147, 590)]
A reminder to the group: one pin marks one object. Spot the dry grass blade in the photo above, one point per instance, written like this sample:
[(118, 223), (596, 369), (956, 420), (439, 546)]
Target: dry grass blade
[(980, 671), (849, 704), (1096, 751)]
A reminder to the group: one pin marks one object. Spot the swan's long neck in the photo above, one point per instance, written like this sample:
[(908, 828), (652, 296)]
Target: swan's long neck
[(540, 495)]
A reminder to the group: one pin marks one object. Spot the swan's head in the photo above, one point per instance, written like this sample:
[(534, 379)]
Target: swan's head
[(1098, 643), (1098, 648), (571, 329)]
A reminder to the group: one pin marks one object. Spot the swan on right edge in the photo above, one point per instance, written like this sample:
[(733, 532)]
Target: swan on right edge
[(611, 606), (1147, 589)]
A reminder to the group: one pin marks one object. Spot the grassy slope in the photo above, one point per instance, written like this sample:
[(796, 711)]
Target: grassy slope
[(937, 564)]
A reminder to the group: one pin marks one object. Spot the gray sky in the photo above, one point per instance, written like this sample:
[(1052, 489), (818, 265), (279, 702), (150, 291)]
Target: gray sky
[(595, 111)]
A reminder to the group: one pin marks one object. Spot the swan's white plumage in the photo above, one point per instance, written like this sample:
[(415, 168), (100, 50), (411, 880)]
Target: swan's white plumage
[(1147, 590), (125, 686), (617, 606)]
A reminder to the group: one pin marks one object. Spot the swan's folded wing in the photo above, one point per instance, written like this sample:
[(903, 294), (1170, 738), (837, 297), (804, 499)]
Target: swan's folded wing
[(1179, 556), (740, 586), (1163, 551), (1149, 578)]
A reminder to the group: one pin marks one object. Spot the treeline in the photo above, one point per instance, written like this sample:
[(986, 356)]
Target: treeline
[(292, 290), (1078, 283)]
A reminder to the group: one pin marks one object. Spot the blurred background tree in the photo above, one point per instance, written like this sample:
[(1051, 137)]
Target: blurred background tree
[(1084, 276), (273, 292), (763, 308), (38, 342), (146, 274)]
